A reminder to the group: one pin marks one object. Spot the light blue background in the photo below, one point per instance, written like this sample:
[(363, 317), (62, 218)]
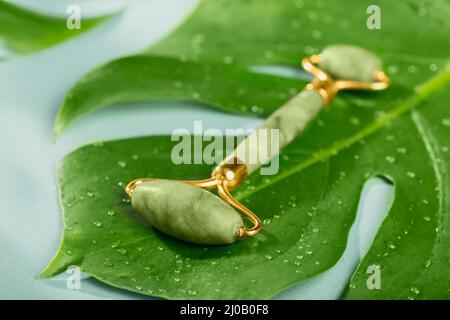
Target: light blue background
[(31, 90)]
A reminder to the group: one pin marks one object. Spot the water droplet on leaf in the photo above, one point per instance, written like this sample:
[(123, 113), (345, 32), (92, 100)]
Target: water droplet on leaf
[(98, 224)]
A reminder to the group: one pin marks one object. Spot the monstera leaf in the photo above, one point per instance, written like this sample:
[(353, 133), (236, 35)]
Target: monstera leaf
[(400, 134), (23, 31)]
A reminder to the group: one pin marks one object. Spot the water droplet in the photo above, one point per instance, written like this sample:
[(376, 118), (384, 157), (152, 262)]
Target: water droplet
[(122, 164), (391, 246), (426, 218), (139, 288), (317, 262), (195, 95), (317, 34), (140, 249), (255, 109), (354, 121), (415, 290), (192, 292), (267, 221), (379, 113), (176, 279), (228, 60), (446, 122), (282, 96), (427, 263), (115, 244), (316, 230), (98, 224), (401, 150), (68, 228), (411, 174), (299, 4), (122, 251), (160, 248), (89, 194), (98, 144), (312, 15), (393, 69), (268, 54), (134, 157), (69, 252), (390, 159), (178, 84), (111, 213), (269, 257), (421, 11), (433, 67), (308, 252), (412, 69), (108, 263)]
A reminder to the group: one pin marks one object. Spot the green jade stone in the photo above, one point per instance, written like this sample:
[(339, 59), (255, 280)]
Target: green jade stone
[(187, 212), (348, 62)]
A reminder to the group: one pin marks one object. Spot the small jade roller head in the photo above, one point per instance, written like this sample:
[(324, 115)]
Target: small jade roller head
[(348, 62)]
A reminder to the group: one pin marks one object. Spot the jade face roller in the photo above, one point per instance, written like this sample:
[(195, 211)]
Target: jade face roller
[(185, 210)]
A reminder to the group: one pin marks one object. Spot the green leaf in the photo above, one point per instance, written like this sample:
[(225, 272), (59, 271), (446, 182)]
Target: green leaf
[(108, 240), (24, 31), (400, 134), (144, 78)]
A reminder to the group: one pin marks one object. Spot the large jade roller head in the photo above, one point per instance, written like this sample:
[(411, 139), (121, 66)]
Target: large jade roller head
[(187, 211)]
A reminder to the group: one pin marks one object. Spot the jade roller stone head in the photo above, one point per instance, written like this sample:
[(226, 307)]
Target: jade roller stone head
[(187, 212), (348, 62)]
